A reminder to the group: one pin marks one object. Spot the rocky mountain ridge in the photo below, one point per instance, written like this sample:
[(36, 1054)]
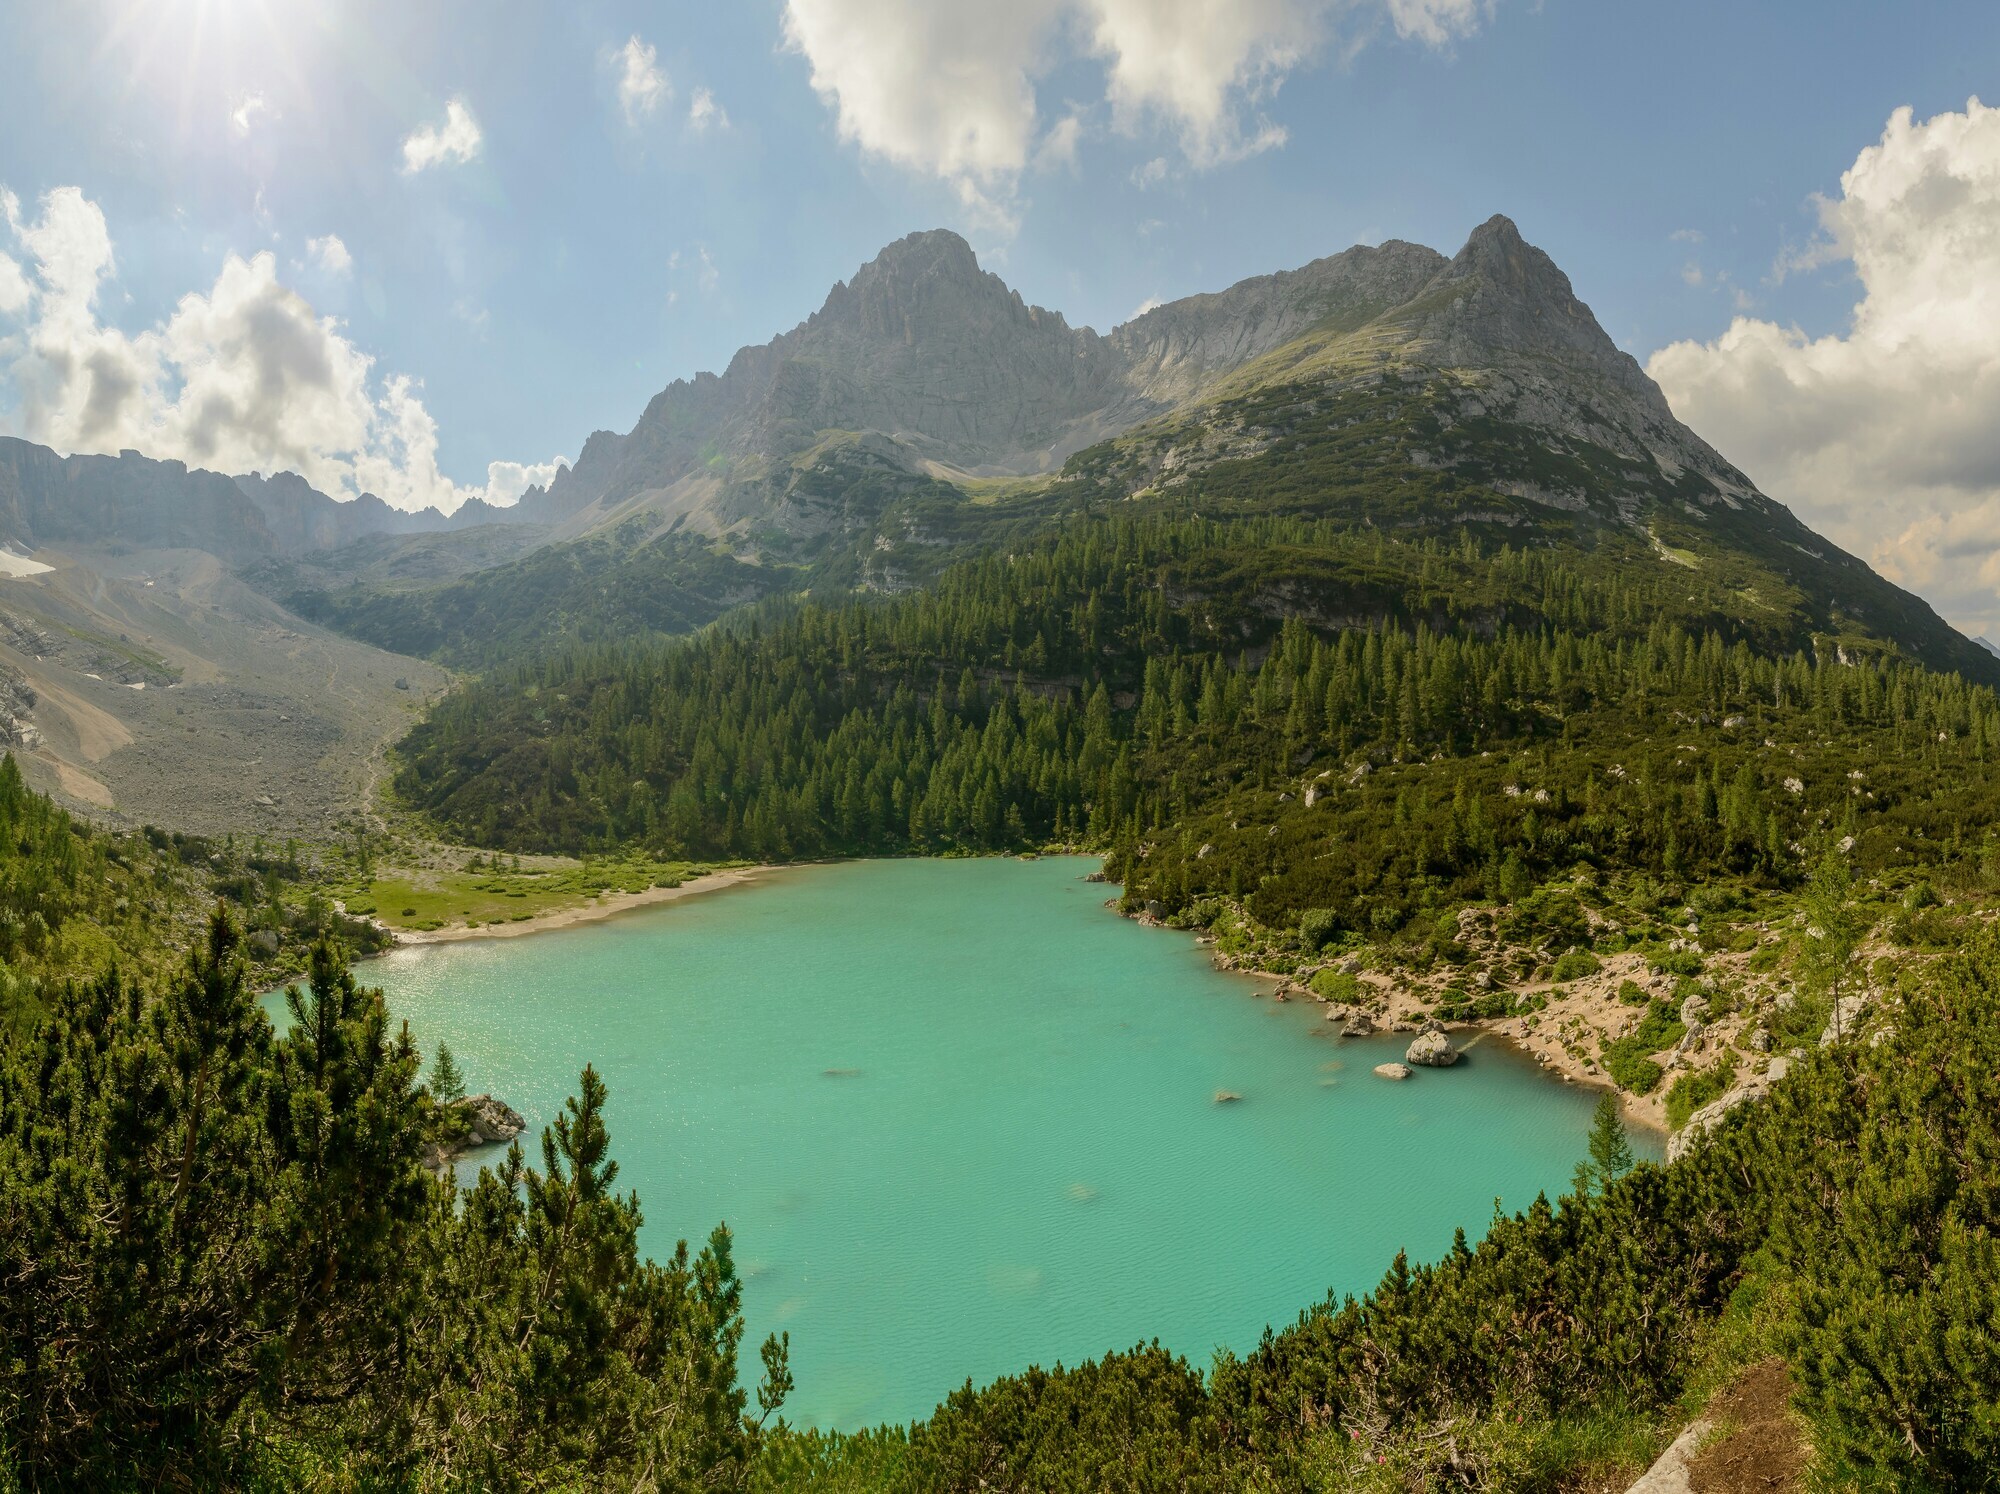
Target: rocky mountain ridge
[(47, 499), (945, 372)]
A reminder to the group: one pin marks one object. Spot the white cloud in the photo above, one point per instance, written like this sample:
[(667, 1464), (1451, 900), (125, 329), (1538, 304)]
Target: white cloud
[(1884, 436), (642, 85), (949, 87), (1194, 65), (942, 87), (1437, 22), (507, 481), (1151, 303), (1150, 173), (1691, 274), (705, 114), (1058, 148), (245, 110), (1687, 236), (244, 377), (330, 254), (457, 140), (14, 291)]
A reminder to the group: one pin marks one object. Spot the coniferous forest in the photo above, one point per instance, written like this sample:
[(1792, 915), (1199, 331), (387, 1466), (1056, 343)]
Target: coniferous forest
[(1471, 722)]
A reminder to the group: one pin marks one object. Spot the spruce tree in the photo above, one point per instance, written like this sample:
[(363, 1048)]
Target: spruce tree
[(447, 1083), (1610, 1149)]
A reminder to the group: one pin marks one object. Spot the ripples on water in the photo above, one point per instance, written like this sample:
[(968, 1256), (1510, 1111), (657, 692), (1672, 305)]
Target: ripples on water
[(962, 1119)]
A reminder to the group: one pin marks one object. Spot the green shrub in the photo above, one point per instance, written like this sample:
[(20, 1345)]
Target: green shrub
[(1458, 1005), (1692, 1091), (1576, 964), (1627, 1059), (1316, 927), (1335, 985), (1632, 993), (1675, 962)]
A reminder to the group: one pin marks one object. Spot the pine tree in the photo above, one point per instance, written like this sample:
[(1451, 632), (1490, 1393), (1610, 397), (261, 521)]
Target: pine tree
[(1610, 1149), (447, 1083)]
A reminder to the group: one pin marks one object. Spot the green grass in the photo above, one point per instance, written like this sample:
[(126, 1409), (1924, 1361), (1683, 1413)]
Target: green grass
[(434, 898)]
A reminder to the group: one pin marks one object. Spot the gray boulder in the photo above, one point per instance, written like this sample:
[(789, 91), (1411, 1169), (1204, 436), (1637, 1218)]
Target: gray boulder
[(489, 1122), (1845, 1021), (1432, 1050), (1393, 1070), (1710, 1115)]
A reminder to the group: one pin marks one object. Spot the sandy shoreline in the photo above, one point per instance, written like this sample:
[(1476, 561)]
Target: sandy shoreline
[(608, 906)]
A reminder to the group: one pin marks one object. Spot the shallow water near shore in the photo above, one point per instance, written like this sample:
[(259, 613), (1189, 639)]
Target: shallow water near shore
[(962, 1118)]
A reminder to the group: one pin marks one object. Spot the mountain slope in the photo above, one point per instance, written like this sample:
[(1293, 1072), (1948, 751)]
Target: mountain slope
[(925, 414)]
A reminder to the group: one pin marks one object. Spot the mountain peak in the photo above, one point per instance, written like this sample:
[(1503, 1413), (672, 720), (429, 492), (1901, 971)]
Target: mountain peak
[(928, 251), (1498, 230)]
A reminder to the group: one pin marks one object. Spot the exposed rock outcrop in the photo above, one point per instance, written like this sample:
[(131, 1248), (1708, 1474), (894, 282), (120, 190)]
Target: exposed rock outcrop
[(1432, 1050), (490, 1122), (1844, 1021)]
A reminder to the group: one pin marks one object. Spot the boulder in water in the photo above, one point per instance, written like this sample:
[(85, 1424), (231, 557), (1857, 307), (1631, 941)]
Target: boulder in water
[(1432, 1050), (489, 1121), (1393, 1070)]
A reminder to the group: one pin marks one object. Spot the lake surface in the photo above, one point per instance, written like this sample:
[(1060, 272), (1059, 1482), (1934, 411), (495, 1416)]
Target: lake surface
[(962, 1118)]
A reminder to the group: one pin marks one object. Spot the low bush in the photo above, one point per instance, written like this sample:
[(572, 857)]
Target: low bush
[(1335, 985), (1576, 964), (1692, 1091)]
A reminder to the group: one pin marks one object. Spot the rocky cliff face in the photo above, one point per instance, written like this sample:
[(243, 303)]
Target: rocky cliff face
[(940, 356), (959, 376)]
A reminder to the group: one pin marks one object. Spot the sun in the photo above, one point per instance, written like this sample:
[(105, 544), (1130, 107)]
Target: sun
[(208, 57)]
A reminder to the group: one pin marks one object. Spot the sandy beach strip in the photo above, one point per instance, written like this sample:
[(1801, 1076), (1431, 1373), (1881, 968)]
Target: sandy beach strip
[(608, 906)]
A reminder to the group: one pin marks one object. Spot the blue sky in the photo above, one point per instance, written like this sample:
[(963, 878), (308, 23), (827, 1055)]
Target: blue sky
[(598, 242)]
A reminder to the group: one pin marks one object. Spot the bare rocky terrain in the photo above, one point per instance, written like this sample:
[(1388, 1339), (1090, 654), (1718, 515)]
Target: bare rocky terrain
[(152, 686)]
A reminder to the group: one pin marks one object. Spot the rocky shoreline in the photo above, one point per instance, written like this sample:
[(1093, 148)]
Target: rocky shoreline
[(1571, 1023), (476, 1121)]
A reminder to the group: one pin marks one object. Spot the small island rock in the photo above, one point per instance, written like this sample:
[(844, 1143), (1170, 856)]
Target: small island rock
[(1433, 1050), (1393, 1070), (489, 1121)]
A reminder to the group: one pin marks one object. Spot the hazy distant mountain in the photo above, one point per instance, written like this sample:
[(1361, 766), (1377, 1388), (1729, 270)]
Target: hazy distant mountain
[(133, 500)]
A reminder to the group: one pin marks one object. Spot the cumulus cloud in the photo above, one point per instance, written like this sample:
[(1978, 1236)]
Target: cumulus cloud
[(14, 291), (705, 114), (642, 85), (330, 254), (949, 87), (1196, 66), (454, 141), (1885, 435), (244, 377)]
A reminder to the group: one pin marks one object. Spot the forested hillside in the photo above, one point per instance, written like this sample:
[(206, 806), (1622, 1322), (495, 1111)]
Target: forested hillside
[(1221, 704), (77, 900)]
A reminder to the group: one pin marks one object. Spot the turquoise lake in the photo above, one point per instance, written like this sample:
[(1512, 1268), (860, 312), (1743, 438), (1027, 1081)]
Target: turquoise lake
[(962, 1118)]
